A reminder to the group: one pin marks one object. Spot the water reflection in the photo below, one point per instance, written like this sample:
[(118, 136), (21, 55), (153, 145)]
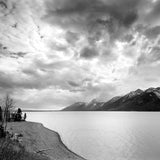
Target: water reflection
[(106, 135)]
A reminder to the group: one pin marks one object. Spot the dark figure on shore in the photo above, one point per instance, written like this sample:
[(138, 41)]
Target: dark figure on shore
[(18, 116), (2, 133), (0, 113), (19, 111), (25, 116), (8, 116)]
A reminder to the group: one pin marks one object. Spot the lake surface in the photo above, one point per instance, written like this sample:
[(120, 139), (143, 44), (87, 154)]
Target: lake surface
[(106, 135)]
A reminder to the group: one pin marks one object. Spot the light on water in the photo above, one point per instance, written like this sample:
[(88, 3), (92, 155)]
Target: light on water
[(106, 135)]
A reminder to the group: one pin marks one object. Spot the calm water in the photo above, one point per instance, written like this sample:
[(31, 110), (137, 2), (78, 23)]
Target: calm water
[(106, 135)]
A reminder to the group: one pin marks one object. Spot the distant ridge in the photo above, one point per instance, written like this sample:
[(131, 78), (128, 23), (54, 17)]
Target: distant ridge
[(138, 100), (39, 110)]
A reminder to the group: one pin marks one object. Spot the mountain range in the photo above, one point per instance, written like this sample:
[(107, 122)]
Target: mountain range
[(138, 100)]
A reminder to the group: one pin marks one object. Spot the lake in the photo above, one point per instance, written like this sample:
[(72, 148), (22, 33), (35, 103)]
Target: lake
[(106, 135)]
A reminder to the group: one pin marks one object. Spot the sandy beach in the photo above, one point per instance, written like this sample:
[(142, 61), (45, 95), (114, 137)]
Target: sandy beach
[(38, 139)]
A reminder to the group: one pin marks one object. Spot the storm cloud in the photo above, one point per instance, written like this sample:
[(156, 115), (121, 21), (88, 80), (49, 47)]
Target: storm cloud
[(89, 18), (88, 53), (87, 13), (56, 52)]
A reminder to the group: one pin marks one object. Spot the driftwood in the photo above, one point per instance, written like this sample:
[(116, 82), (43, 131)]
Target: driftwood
[(43, 150)]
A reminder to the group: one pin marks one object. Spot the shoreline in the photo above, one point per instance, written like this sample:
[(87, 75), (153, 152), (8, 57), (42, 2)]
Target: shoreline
[(39, 139), (59, 137)]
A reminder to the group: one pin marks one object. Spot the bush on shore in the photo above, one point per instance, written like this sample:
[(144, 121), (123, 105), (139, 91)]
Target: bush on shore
[(10, 150)]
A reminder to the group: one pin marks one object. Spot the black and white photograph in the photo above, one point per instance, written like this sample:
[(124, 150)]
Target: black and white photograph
[(79, 79)]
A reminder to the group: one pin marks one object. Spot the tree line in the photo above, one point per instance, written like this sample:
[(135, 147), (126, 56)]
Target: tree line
[(7, 115)]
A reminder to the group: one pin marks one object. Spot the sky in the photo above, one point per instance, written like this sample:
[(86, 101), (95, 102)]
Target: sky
[(54, 53)]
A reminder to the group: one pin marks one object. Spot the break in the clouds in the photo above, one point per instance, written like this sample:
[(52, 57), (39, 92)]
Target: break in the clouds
[(57, 52)]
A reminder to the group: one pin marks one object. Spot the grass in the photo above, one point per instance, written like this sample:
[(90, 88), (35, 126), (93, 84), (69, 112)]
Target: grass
[(10, 150)]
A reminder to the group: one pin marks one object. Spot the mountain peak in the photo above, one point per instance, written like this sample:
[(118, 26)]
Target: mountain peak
[(139, 91), (136, 92), (150, 90), (138, 100), (133, 93), (93, 101)]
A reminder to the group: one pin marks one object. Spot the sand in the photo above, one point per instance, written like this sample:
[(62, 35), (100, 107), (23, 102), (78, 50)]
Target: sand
[(36, 138)]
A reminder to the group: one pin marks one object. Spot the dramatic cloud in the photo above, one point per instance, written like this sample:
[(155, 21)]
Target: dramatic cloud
[(99, 12), (92, 18), (88, 53), (56, 52), (153, 32)]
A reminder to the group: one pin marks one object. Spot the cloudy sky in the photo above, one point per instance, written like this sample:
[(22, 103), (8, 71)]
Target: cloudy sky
[(57, 52)]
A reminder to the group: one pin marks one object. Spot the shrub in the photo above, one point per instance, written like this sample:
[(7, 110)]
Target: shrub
[(10, 150)]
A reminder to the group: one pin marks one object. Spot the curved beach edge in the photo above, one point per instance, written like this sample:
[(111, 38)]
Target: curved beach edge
[(39, 139), (59, 137)]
